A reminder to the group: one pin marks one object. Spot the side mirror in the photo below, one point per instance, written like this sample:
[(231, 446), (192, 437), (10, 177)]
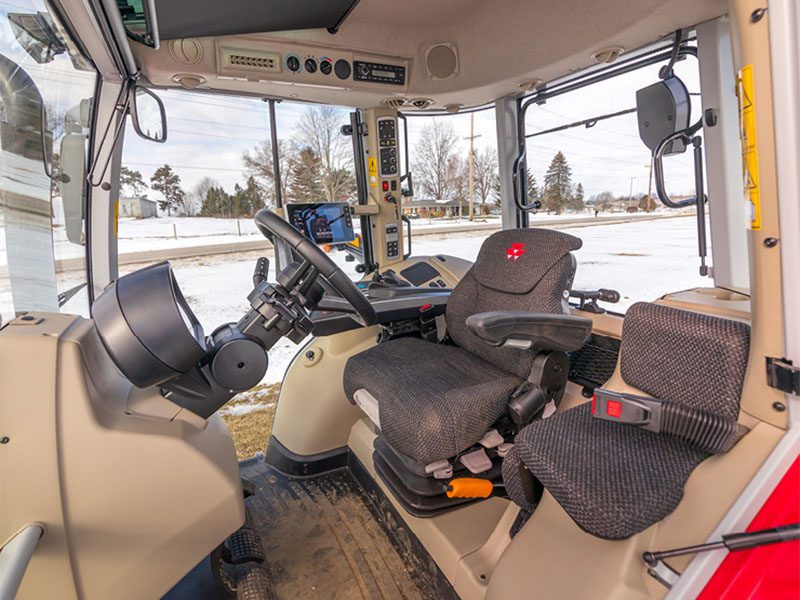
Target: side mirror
[(148, 115)]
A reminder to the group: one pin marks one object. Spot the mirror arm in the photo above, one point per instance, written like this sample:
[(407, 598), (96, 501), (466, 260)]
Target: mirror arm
[(658, 166), (687, 136), (121, 106)]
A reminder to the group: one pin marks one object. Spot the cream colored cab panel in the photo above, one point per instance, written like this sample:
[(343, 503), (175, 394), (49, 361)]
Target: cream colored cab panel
[(130, 501)]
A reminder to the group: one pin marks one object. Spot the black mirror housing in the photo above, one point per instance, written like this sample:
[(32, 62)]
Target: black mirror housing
[(148, 115)]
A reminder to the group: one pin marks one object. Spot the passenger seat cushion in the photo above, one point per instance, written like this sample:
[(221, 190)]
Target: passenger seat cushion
[(614, 481), (695, 359), (435, 400)]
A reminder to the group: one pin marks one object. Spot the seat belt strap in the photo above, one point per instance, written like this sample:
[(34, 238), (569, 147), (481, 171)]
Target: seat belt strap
[(709, 432)]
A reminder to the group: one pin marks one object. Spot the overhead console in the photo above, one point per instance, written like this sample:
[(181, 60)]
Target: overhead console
[(300, 64)]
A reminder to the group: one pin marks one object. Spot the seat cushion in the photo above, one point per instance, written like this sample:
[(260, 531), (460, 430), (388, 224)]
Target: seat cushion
[(434, 400), (613, 480)]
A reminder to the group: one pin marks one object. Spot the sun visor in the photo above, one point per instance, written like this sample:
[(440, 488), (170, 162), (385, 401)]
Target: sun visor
[(200, 18)]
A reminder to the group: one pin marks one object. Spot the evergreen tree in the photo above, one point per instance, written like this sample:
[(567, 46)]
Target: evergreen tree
[(557, 185), (577, 202), (166, 181), (217, 203), (305, 177), (132, 183), (533, 188)]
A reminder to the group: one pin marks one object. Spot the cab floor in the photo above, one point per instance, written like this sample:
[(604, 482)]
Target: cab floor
[(327, 537)]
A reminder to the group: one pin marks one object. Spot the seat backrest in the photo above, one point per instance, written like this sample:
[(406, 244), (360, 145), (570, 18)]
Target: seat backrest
[(687, 357), (516, 269)]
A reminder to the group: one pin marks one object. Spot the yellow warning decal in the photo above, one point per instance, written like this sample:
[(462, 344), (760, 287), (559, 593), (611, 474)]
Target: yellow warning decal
[(373, 171), (745, 92), (116, 219)]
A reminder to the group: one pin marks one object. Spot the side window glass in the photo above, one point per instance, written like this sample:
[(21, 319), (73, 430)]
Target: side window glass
[(592, 173), (45, 113)]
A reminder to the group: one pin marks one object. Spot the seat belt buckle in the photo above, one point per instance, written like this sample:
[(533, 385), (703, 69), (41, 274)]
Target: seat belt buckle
[(639, 411), (427, 323)]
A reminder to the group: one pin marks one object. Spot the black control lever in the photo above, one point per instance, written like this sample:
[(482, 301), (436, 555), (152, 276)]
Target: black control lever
[(588, 299), (261, 272)]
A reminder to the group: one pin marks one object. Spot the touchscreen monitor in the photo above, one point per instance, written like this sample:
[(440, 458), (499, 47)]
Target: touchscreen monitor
[(323, 222)]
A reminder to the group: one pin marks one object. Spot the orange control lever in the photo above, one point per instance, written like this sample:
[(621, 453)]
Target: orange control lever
[(469, 487)]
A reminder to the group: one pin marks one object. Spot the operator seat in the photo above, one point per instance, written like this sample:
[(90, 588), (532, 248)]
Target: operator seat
[(432, 401)]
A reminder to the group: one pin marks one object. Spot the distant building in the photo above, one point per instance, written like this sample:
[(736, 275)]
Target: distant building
[(138, 208)]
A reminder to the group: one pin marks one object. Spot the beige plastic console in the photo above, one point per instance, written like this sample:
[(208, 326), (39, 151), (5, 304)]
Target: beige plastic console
[(132, 491)]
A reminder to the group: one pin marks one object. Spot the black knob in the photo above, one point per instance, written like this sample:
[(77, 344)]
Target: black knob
[(311, 65), (293, 64), (342, 69), (326, 67)]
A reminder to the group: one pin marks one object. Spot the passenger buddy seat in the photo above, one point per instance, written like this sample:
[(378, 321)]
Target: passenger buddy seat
[(440, 409), (618, 464)]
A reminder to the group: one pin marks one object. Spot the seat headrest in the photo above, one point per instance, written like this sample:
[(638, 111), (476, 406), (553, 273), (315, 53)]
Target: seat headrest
[(515, 260), (691, 358)]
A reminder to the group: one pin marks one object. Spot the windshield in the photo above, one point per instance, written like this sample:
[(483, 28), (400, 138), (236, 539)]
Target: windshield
[(46, 90)]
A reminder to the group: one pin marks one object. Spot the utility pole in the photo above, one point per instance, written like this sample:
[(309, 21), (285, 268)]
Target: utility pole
[(471, 139)]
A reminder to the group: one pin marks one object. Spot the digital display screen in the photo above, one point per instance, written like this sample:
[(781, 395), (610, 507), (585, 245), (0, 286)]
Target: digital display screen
[(381, 73), (323, 222)]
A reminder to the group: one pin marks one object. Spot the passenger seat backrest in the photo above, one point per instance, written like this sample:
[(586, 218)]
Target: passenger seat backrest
[(516, 269), (690, 358)]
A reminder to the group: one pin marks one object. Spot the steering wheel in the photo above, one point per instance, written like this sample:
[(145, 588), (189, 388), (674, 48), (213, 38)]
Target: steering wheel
[(271, 224)]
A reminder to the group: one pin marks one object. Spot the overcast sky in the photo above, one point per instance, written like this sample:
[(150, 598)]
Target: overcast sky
[(209, 133)]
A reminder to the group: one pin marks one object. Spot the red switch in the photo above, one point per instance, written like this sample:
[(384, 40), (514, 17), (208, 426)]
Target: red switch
[(385, 186)]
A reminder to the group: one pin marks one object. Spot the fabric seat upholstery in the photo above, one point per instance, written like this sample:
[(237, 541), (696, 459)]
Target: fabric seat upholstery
[(432, 398), (616, 480), (436, 400)]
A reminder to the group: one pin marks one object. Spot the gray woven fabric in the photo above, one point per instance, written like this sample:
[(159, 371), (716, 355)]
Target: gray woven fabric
[(512, 479), (470, 297), (434, 400), (615, 480), (541, 249), (687, 357)]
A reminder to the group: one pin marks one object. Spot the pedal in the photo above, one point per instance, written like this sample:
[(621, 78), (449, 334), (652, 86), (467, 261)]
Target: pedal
[(244, 546), (254, 583)]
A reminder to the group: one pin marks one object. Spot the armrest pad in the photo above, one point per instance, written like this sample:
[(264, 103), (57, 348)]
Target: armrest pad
[(524, 329)]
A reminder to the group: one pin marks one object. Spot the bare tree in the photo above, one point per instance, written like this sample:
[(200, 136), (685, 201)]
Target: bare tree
[(319, 129), (258, 164), (485, 173), (436, 165)]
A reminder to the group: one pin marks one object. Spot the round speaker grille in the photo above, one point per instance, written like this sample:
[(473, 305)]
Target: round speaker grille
[(186, 52), (441, 61)]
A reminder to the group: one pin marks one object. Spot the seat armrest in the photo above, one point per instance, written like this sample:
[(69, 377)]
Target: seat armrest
[(524, 329)]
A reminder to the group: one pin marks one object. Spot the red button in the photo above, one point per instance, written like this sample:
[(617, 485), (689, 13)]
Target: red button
[(385, 186), (614, 409)]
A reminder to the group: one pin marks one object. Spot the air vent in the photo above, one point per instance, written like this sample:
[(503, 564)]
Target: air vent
[(421, 102), (252, 60), (394, 101)]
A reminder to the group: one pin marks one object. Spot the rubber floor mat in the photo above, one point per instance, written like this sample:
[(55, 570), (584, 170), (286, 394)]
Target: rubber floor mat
[(325, 537), (322, 539)]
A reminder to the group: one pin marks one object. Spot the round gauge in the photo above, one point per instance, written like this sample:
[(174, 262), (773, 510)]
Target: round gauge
[(293, 63), (342, 69), (326, 67), (311, 65)]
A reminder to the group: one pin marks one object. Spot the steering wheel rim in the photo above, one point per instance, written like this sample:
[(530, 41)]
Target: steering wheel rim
[(270, 223)]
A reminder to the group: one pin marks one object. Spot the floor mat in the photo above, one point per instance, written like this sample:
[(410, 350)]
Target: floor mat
[(326, 537)]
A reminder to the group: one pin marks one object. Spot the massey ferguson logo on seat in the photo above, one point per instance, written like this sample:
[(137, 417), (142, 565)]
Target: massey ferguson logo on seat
[(515, 251)]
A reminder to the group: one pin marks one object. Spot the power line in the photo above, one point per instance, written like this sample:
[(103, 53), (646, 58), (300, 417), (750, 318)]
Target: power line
[(197, 168)]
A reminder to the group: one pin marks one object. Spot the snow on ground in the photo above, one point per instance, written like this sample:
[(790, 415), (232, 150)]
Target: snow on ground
[(642, 260), (138, 235)]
